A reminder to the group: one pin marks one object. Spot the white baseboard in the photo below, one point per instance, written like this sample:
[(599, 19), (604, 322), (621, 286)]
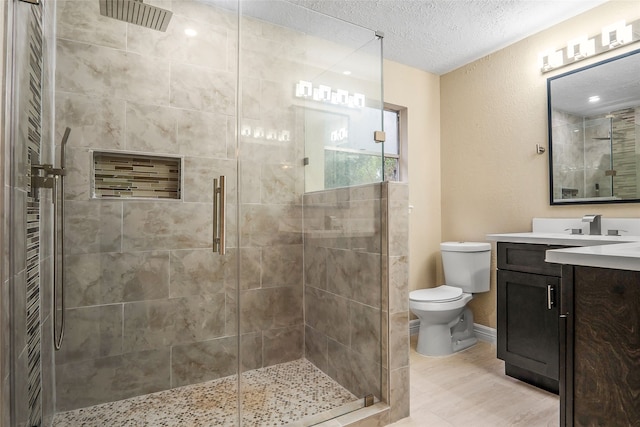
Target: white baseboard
[(484, 333), (414, 327)]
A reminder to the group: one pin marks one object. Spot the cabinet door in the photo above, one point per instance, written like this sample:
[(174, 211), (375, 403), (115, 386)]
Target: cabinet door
[(528, 335), (606, 369), (527, 258)]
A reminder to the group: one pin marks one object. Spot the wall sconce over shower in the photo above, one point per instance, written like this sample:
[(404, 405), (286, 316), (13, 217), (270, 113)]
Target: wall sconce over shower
[(612, 37)]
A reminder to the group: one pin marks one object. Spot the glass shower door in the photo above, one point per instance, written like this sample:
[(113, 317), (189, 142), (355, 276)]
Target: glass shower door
[(309, 301), (150, 307), (158, 325)]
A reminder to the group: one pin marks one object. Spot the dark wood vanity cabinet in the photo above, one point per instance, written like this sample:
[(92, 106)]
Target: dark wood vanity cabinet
[(601, 370), (528, 314)]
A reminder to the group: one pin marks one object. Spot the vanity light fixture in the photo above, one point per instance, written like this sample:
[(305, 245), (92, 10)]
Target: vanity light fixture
[(190, 32), (550, 59), (611, 37), (580, 48), (594, 98), (616, 35)]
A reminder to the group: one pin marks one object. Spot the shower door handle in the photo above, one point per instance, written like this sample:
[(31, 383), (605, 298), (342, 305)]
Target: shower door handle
[(219, 208)]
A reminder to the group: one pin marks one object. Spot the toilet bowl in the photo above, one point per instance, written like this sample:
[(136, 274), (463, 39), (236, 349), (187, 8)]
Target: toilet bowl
[(446, 324)]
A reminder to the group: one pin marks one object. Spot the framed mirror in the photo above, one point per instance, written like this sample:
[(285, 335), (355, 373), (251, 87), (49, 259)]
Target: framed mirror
[(594, 133)]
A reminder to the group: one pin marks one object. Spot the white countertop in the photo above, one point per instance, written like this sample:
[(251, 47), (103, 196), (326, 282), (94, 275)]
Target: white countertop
[(564, 239), (622, 256), (617, 252)]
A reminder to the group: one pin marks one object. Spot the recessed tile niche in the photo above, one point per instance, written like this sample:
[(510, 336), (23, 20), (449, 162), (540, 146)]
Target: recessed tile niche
[(135, 176)]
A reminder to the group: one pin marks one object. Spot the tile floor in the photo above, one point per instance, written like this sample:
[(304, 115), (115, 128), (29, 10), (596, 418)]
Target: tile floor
[(293, 392), (469, 389)]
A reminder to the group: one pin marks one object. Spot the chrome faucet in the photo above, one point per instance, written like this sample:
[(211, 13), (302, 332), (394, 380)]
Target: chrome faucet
[(595, 224)]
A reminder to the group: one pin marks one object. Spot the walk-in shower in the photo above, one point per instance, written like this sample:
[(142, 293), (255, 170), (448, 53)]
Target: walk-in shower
[(287, 322), (598, 161)]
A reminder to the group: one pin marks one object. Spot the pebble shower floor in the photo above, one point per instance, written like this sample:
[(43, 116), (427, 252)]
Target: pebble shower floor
[(288, 393)]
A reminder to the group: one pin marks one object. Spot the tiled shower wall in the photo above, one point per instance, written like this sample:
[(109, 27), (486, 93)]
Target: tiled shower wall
[(149, 306), (356, 289), (584, 159), (568, 150), (626, 153), (27, 253)]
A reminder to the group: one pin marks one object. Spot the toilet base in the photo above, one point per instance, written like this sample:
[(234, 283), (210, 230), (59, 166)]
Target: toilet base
[(443, 340)]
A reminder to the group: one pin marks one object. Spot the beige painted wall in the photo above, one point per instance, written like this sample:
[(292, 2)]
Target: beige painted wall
[(493, 113), (419, 92)]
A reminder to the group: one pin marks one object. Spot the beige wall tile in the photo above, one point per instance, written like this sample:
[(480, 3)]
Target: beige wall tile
[(400, 397), (208, 49), (399, 340), (93, 226), (95, 122), (158, 324), (203, 134), (96, 381), (166, 225), (97, 71), (81, 20), (283, 345), (196, 88), (282, 266), (327, 313), (94, 279), (200, 272), (91, 333), (151, 128), (203, 361)]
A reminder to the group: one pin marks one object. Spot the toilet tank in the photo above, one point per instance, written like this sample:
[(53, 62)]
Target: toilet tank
[(467, 265)]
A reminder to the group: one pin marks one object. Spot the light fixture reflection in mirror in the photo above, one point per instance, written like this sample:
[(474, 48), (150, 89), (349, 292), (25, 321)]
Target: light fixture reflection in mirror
[(594, 133)]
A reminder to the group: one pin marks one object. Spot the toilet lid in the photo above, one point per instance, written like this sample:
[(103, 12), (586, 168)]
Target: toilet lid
[(442, 293)]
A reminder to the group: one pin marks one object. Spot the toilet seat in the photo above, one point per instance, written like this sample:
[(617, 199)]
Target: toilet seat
[(439, 294)]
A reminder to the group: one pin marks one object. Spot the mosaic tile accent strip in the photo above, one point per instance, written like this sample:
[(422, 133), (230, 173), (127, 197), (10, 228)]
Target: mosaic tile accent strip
[(135, 176), (278, 395), (33, 114)]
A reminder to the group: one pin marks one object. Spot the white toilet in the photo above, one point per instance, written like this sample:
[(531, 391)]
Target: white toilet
[(446, 325)]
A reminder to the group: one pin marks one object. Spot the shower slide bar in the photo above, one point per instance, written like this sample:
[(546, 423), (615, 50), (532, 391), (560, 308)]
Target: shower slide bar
[(54, 178), (219, 208)]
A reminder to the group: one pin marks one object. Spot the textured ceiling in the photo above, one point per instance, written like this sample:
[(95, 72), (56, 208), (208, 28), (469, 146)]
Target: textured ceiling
[(441, 35)]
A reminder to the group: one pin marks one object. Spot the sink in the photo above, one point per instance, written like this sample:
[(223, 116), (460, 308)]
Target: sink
[(617, 252)]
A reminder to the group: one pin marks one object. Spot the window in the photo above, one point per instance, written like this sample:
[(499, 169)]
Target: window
[(341, 152), (392, 145)]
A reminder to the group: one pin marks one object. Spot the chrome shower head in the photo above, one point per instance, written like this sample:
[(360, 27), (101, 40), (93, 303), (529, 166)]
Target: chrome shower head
[(136, 12)]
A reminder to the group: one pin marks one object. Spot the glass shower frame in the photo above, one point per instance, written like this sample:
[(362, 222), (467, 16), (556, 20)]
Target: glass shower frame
[(358, 236)]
